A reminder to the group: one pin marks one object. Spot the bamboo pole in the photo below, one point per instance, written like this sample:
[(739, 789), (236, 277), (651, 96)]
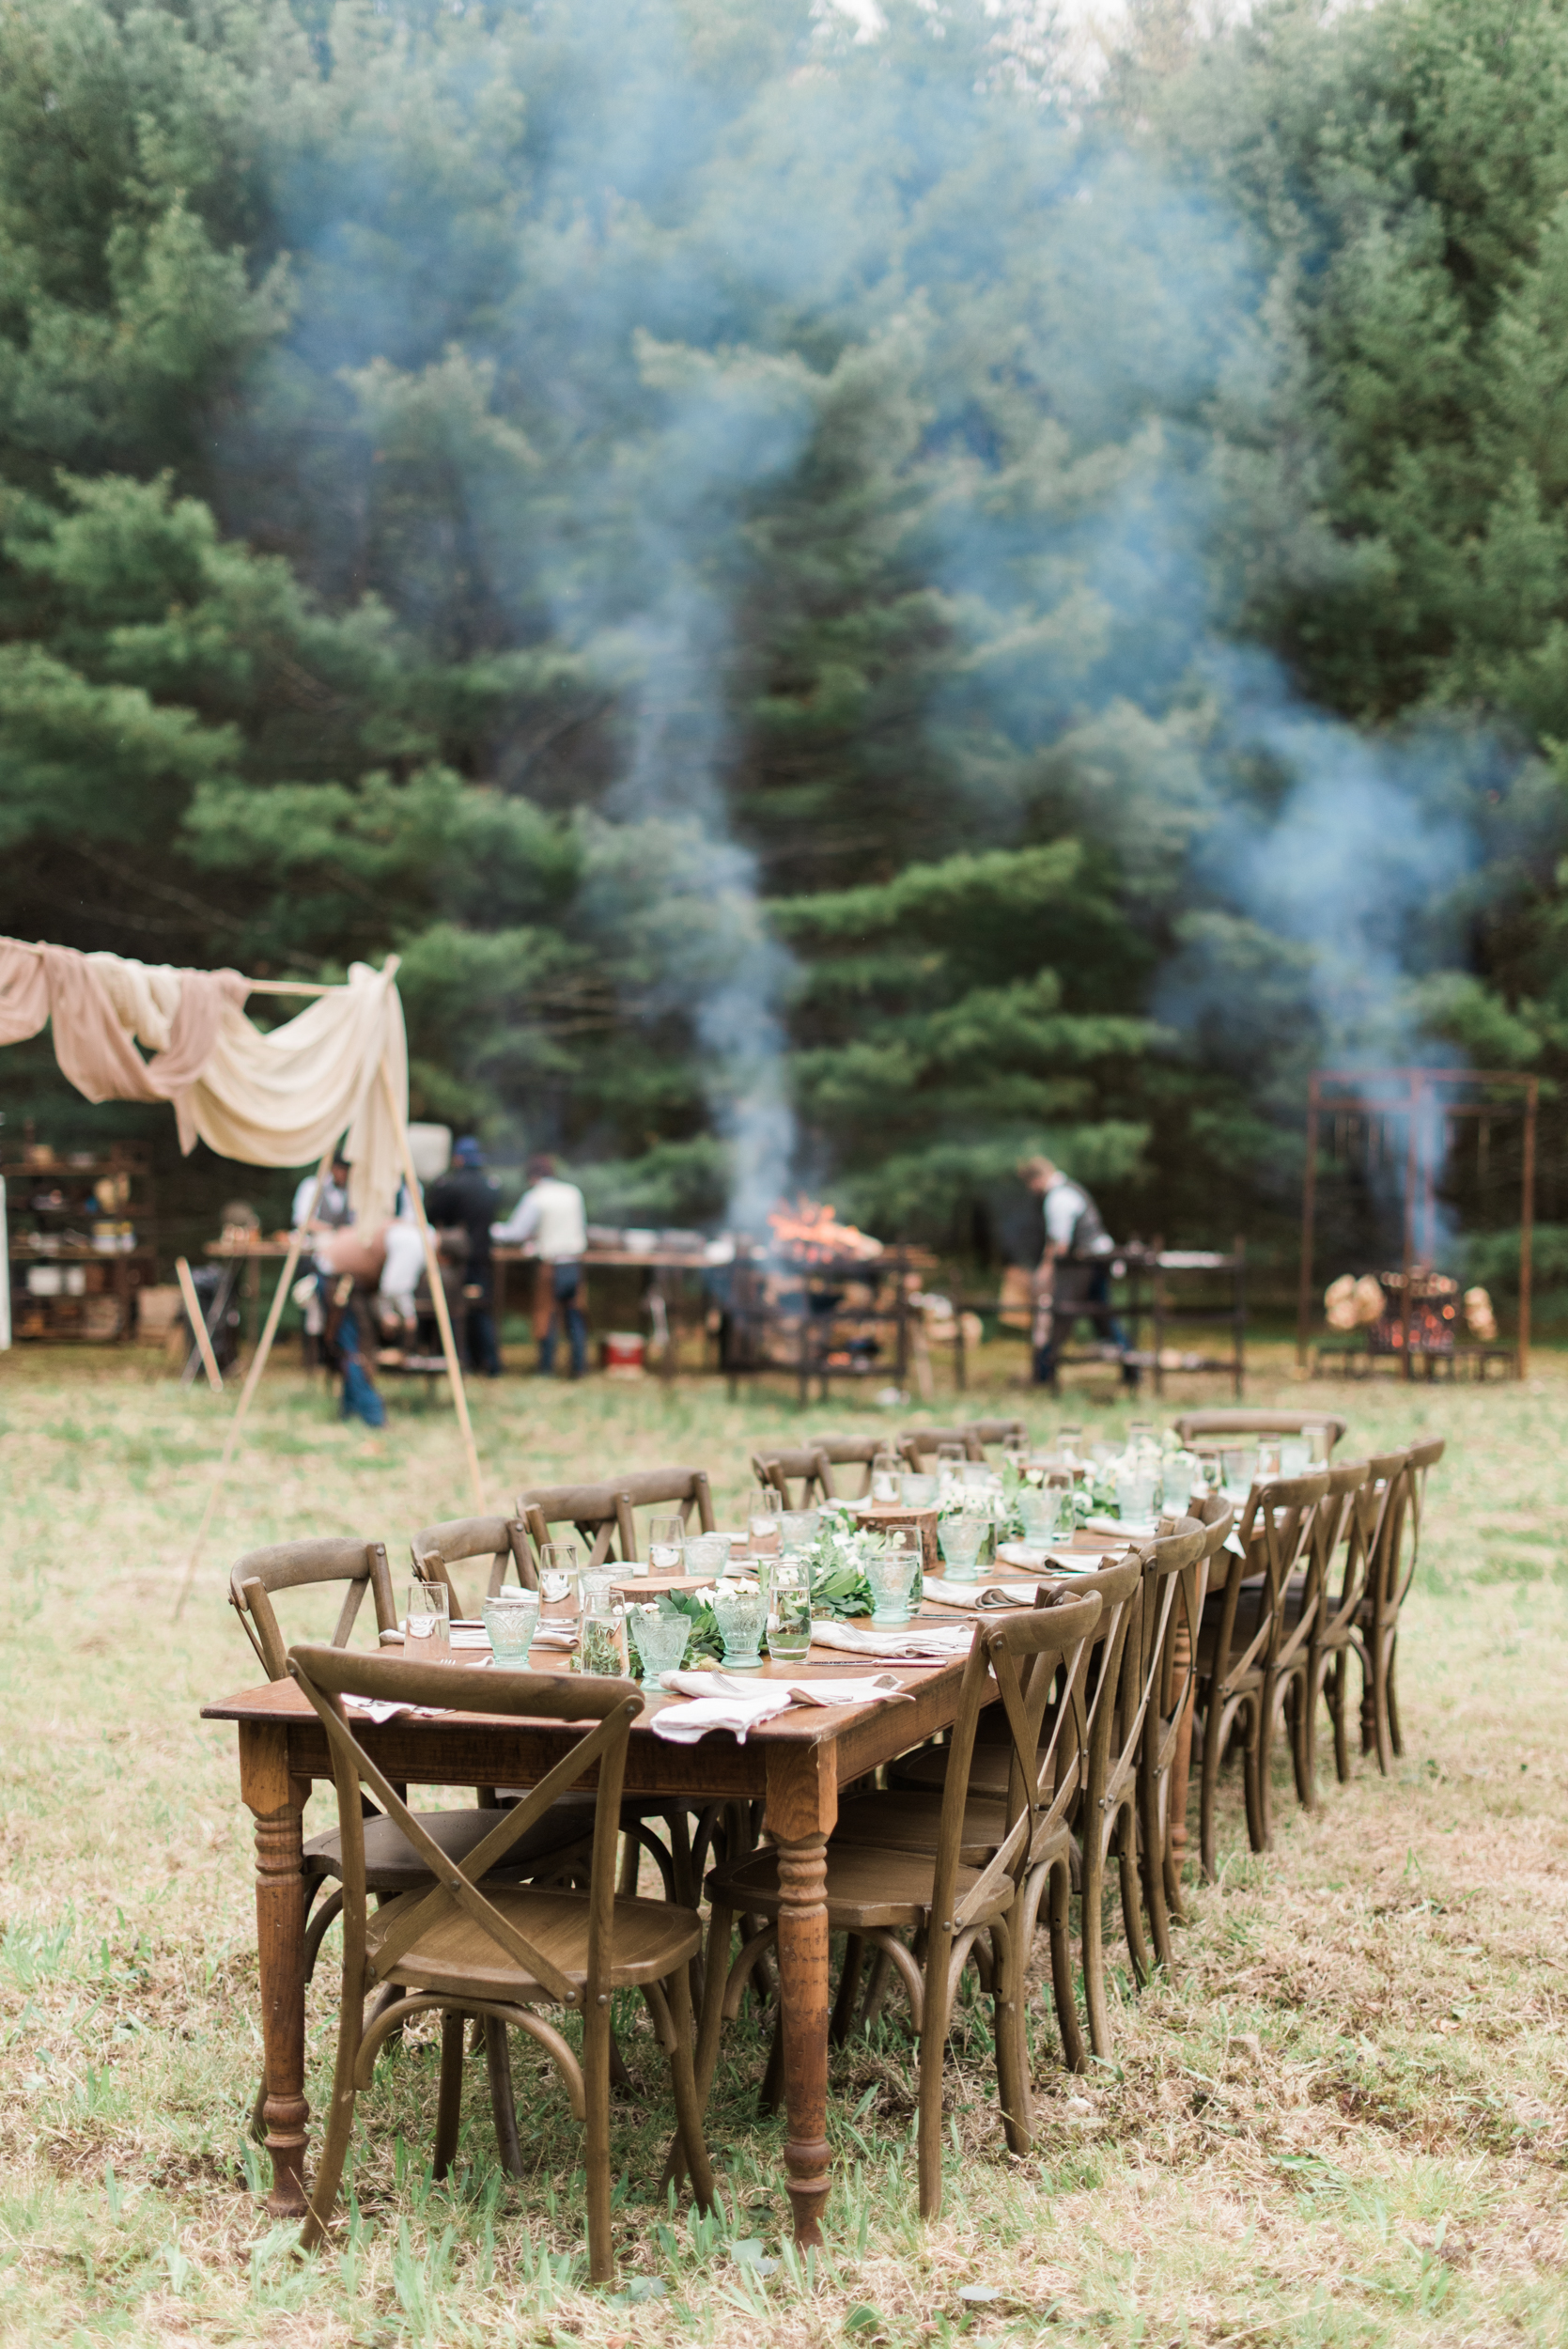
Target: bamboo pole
[(198, 1326), (259, 1363), (438, 1295)]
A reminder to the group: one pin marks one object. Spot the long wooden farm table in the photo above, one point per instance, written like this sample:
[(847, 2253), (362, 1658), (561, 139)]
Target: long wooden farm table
[(795, 1764)]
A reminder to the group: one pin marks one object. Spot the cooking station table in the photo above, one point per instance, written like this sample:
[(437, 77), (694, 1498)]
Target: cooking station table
[(795, 1764)]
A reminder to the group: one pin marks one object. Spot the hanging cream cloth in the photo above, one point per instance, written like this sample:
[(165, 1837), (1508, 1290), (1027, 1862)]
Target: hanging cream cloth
[(278, 1099)]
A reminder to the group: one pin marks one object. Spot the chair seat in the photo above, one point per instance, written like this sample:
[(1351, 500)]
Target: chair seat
[(1248, 1613), (392, 1865), (457, 1958), (866, 1887), (912, 1823)]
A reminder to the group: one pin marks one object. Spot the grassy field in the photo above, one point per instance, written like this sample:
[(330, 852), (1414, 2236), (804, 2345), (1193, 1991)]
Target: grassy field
[(1344, 2120)]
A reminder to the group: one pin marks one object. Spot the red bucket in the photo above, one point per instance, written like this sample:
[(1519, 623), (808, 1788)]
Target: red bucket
[(621, 1354)]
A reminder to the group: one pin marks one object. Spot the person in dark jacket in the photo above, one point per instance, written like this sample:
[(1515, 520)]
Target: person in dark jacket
[(1073, 1277), (465, 1195)]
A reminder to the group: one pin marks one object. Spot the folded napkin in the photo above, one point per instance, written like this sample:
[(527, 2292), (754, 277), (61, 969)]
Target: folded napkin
[(979, 1595), (554, 1635), (721, 1701), (378, 1709), (919, 1642), (1056, 1561), (469, 1636)]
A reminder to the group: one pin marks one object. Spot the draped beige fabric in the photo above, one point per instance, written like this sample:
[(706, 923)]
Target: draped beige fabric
[(275, 1100)]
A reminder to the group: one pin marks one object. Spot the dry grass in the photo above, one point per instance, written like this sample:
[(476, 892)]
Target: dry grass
[(1345, 2120)]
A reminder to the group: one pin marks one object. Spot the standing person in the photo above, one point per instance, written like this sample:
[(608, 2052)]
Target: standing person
[(465, 1195), (1073, 1277), (551, 1215), (330, 1212)]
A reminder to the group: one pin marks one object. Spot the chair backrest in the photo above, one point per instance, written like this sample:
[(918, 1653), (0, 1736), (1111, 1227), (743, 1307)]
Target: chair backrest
[(985, 1431), (853, 1452), (436, 1548), (604, 1513), (294, 1565), (1275, 1532), (1422, 1458), (327, 1674), (1019, 1657), (1174, 1568), (808, 1465), (1113, 1653), (1342, 1522), (1193, 1427), (920, 1443), (1392, 1561)]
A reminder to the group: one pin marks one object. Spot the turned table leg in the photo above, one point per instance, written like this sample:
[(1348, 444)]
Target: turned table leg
[(1181, 1764), (802, 1810), (278, 1801)]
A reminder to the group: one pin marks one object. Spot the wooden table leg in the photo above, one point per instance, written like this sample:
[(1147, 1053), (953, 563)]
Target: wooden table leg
[(278, 1803), (1181, 1765), (802, 1811)]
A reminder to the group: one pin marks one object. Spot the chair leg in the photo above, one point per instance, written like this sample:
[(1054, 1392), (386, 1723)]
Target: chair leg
[(1075, 2056), (848, 1983), (631, 1853), (1308, 1684), (683, 2084), (340, 2123), (1151, 1858), (875, 1990), (772, 2079), (1381, 1738), (1093, 1913), (449, 2096), (933, 2050), (1261, 1726), (1391, 1696), (1339, 1702), (1210, 1789), (1007, 1941), (498, 2067), (1254, 1761), (596, 2088)]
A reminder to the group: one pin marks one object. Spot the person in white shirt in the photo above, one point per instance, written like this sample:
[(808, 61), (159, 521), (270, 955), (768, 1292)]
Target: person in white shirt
[(551, 1214), (328, 1213), (1074, 1276)]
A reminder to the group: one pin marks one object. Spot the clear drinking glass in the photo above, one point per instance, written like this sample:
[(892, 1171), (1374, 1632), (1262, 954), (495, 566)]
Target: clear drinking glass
[(1041, 1511), (427, 1626), (601, 1644), (790, 1630), (1294, 1455), (799, 1527), (951, 1461), (511, 1618), (1069, 1442), (1268, 1457), (961, 1537), (917, 1491), (708, 1554), (886, 1470), (1317, 1444), (595, 1590), (659, 1640), (741, 1617), (558, 1565), (666, 1542), (765, 1521), (892, 1579), (1137, 1490)]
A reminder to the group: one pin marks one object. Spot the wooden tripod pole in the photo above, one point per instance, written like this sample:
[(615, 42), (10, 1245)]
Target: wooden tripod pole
[(438, 1296), (259, 1363)]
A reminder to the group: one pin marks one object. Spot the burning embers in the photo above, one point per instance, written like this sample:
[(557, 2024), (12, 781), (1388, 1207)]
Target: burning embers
[(810, 1233), (1376, 1303)]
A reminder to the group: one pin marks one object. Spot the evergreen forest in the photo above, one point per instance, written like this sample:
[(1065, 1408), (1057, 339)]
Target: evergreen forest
[(850, 600)]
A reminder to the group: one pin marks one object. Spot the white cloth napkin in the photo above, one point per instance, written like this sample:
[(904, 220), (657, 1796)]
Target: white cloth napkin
[(1056, 1560), (721, 1701), (987, 1596), (378, 1709), (465, 1636), (918, 1641), (1131, 1529)]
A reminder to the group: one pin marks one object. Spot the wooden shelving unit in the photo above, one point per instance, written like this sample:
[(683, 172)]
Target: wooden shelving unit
[(68, 1284)]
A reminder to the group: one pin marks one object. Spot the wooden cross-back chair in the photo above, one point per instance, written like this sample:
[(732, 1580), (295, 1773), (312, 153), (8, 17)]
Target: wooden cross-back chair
[(919, 1444), (468, 1947), (1174, 1593), (604, 1514), (436, 1548), (1390, 1574), (1318, 1618), (805, 1466), (392, 1865), (853, 1452), (988, 1431), (1206, 1428), (1102, 1805), (1238, 1645), (990, 1855)]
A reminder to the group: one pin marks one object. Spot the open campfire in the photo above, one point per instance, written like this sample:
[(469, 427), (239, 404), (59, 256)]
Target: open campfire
[(808, 1232)]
